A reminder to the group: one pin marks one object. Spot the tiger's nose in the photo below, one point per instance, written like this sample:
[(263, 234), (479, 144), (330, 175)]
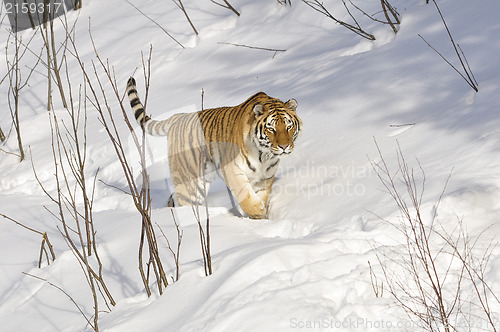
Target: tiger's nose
[(284, 146)]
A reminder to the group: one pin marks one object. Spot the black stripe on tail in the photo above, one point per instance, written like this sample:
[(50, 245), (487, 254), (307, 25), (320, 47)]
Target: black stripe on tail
[(135, 103)]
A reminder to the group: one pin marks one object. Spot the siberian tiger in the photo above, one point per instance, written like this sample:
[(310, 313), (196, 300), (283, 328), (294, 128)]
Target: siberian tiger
[(242, 144)]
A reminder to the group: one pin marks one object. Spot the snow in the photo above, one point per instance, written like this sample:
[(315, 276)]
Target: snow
[(306, 267)]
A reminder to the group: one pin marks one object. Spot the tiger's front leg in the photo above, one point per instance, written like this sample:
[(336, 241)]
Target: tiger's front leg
[(253, 206), (250, 201), (263, 189)]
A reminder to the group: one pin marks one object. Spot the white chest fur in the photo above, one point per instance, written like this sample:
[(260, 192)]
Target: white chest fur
[(260, 167)]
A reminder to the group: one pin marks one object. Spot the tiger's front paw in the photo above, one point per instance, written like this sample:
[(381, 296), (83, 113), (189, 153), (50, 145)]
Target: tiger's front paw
[(254, 207)]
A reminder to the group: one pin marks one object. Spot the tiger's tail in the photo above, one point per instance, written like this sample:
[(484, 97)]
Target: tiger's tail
[(150, 126)]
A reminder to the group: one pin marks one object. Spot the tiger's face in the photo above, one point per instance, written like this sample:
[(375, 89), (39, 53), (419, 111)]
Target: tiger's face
[(278, 126)]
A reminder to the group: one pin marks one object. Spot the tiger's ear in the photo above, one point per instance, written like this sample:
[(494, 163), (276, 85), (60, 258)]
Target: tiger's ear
[(258, 110), (292, 104)]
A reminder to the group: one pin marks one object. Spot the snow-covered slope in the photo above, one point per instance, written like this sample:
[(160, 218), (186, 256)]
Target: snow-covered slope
[(308, 262)]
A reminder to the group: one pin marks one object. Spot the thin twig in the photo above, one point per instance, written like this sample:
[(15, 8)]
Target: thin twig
[(470, 79), (276, 51), (387, 8), (450, 64), (20, 224), (45, 239), (114, 187), (402, 125), (11, 153), (156, 23), (319, 7), (176, 253), (181, 7), (378, 290), (228, 6), (65, 293)]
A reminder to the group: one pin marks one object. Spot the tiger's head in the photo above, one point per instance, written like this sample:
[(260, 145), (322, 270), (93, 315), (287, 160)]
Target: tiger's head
[(277, 126)]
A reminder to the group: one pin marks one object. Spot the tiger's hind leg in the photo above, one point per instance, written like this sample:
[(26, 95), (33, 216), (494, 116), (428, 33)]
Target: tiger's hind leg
[(189, 192), (171, 201), (191, 187), (189, 162)]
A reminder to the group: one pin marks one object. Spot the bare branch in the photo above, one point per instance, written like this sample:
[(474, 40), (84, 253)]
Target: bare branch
[(67, 295), (276, 51), (468, 76), (45, 240), (181, 7), (428, 277), (156, 23), (227, 5), (175, 253), (97, 96), (319, 7)]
